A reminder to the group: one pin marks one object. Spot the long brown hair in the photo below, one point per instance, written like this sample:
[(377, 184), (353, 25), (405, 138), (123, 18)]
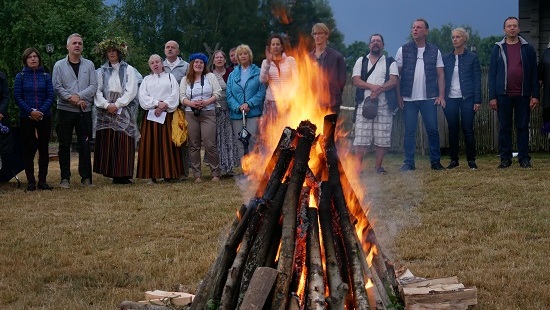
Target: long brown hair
[(190, 76)]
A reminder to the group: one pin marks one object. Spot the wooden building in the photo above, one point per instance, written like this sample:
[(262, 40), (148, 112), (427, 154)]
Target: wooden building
[(534, 18)]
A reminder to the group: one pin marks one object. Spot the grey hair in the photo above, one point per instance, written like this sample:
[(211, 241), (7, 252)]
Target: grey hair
[(72, 36), (463, 31)]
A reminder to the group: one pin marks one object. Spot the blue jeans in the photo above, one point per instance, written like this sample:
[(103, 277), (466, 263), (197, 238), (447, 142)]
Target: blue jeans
[(518, 107), (429, 116), (458, 112)]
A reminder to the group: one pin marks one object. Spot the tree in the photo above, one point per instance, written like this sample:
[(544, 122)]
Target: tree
[(484, 49), (354, 51), (36, 23), (300, 16)]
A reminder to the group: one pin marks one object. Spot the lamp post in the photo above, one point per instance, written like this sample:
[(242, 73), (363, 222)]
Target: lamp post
[(473, 48), (49, 51)]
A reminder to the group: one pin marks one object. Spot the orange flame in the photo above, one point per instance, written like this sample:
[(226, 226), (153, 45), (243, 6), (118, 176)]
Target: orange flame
[(298, 100)]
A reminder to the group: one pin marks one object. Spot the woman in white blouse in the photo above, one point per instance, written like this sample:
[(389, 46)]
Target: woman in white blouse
[(158, 158), (115, 121), (277, 72), (199, 91)]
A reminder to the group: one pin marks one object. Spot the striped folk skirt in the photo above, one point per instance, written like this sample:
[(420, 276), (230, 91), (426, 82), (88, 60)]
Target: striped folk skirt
[(158, 157), (114, 154)]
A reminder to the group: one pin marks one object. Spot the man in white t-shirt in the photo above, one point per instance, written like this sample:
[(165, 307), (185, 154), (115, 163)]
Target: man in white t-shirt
[(377, 130), (422, 87)]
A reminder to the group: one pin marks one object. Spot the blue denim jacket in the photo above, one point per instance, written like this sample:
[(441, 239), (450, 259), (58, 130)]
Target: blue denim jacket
[(469, 75)]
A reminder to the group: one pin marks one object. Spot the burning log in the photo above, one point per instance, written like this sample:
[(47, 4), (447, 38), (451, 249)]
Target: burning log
[(260, 248), (316, 284), (306, 135), (337, 288)]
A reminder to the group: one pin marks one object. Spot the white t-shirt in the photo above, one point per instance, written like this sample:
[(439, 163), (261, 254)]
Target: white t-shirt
[(419, 83), (455, 91), (378, 75)]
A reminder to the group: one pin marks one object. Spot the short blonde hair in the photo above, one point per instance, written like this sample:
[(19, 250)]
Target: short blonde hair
[(463, 31), (153, 57), (320, 27), (243, 48)]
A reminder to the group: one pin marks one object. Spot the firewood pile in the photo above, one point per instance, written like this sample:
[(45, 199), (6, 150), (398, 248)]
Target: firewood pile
[(312, 252), (303, 241)]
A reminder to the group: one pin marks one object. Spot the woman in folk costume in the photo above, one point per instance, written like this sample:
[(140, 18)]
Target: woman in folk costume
[(158, 157), (116, 111), (225, 138)]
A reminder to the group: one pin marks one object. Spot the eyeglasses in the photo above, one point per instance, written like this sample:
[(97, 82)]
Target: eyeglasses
[(376, 41)]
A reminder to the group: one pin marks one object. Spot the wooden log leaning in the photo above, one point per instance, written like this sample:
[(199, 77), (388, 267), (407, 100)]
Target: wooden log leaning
[(230, 294), (260, 286), (315, 281), (262, 241), (205, 288), (306, 135), (270, 181), (229, 254), (132, 305), (360, 297), (337, 288)]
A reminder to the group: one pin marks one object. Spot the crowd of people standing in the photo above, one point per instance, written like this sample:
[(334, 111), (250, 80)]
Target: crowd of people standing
[(211, 104)]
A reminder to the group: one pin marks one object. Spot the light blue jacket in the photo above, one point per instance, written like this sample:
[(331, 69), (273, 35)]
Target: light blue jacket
[(253, 93)]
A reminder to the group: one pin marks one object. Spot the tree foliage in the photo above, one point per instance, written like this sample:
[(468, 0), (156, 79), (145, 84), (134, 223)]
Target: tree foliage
[(36, 23)]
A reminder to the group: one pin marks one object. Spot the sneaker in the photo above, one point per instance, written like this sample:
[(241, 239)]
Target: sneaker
[(86, 183), (472, 164), (437, 166), (453, 164), (65, 184), (381, 170), (407, 167), (44, 187), (505, 163), (31, 187), (526, 164)]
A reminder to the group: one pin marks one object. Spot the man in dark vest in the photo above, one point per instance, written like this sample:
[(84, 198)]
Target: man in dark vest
[(422, 89), (513, 91)]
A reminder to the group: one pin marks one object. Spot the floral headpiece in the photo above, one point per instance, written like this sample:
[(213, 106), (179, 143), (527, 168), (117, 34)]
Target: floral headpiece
[(116, 43)]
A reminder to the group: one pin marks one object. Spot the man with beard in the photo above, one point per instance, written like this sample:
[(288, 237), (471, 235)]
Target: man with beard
[(374, 75), (422, 89)]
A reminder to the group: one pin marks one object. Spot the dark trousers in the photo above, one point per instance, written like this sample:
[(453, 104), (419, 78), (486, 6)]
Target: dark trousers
[(81, 122), (514, 108), (36, 136), (461, 112)]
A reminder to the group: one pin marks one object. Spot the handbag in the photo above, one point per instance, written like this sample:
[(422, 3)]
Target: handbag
[(370, 108)]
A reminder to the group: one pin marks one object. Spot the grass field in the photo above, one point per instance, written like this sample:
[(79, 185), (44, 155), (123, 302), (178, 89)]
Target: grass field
[(91, 248)]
